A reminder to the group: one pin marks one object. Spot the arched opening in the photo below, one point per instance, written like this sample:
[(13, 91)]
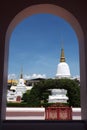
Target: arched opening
[(36, 46), (46, 8)]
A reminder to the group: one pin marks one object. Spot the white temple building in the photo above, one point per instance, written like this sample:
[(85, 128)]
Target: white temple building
[(16, 92), (63, 70)]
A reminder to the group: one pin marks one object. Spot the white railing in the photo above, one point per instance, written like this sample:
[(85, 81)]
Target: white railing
[(15, 113)]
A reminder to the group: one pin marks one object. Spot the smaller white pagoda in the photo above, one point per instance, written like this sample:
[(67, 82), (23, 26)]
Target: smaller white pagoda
[(16, 92), (58, 96)]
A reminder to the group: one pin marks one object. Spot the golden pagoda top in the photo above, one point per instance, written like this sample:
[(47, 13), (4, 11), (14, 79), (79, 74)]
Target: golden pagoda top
[(62, 57)]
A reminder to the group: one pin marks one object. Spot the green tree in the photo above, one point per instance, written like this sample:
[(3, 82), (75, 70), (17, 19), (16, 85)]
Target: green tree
[(40, 91), (25, 96)]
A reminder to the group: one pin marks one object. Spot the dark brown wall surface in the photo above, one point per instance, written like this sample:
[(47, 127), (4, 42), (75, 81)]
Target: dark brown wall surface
[(8, 10)]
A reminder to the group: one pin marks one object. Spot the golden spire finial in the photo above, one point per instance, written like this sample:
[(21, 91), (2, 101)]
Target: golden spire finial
[(62, 58)]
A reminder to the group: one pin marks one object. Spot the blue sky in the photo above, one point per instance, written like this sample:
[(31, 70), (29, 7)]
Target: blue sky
[(35, 46)]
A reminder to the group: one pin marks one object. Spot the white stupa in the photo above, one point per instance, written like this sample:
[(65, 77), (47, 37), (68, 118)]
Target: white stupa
[(17, 91), (63, 70), (21, 87), (58, 96)]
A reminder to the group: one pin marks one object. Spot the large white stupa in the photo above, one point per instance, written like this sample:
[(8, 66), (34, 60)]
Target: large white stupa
[(63, 70)]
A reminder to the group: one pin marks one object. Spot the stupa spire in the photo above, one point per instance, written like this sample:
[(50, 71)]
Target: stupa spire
[(62, 57)]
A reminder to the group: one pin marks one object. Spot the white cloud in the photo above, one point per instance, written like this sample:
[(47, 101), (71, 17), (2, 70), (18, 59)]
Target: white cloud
[(38, 76), (12, 76), (76, 77), (26, 77)]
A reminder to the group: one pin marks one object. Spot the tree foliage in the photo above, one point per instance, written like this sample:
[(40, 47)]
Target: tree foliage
[(40, 92)]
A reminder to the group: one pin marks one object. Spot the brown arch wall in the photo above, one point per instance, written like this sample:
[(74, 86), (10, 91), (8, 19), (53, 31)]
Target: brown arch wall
[(70, 10)]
